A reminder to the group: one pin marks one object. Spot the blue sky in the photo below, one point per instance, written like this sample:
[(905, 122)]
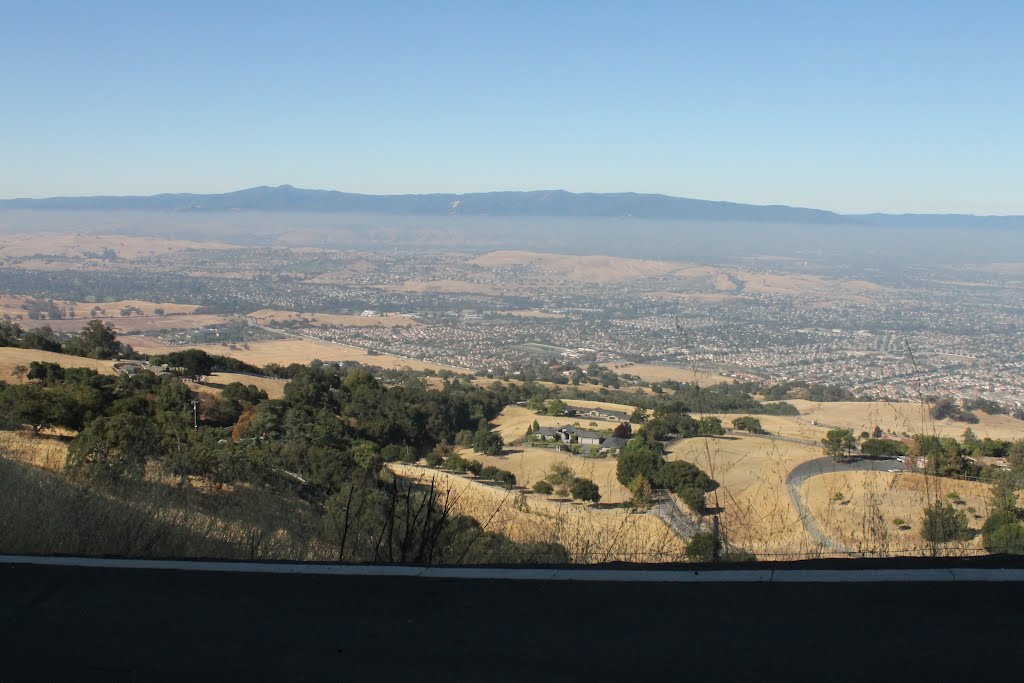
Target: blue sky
[(857, 106)]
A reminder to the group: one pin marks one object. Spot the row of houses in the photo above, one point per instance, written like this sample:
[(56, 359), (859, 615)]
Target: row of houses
[(569, 434)]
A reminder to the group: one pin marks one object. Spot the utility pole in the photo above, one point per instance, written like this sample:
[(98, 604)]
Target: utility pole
[(716, 533), (195, 414)]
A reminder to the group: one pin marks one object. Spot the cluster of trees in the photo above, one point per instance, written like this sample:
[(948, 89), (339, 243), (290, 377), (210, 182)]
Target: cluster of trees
[(562, 481), (550, 406), (841, 445), (725, 397), (1003, 531), (443, 457), (328, 426), (95, 340), (944, 522), (642, 468), (748, 424), (196, 363), (482, 440), (673, 418), (810, 391), (942, 455), (883, 448), (944, 408), (326, 440)]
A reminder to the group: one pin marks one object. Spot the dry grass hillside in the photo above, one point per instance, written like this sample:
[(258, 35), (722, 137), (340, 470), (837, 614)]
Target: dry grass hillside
[(287, 351), (266, 315), (533, 464), (215, 382), (589, 534), (145, 323), (513, 421), (757, 512), (45, 511), (660, 373), (76, 245), (860, 510), (11, 357), (445, 286), (12, 305), (899, 418)]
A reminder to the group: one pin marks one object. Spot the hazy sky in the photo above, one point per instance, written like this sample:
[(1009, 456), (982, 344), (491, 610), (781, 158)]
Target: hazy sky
[(853, 106)]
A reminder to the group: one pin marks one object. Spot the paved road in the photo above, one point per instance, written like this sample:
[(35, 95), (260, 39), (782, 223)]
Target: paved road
[(818, 466), (148, 625), (778, 437), (665, 508)]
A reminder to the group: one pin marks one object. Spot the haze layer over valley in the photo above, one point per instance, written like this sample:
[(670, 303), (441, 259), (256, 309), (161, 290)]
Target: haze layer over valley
[(892, 307)]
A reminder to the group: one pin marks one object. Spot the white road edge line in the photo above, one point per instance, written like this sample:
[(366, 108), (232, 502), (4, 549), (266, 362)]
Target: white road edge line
[(528, 574)]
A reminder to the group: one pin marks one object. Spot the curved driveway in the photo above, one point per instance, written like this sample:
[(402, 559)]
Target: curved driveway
[(825, 465)]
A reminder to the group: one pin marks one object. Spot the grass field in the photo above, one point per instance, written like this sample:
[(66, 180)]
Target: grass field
[(45, 511), (660, 373), (512, 422), (781, 425), (443, 286), (757, 513), (218, 380), (533, 464), (147, 323), (589, 534), (871, 502), (77, 244), (12, 305), (11, 357), (287, 351), (899, 418), (265, 316)]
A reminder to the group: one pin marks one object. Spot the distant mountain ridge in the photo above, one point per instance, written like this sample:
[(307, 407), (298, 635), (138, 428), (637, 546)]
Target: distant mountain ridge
[(539, 203), (549, 203)]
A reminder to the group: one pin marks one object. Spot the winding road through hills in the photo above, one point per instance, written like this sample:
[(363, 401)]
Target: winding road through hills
[(825, 465)]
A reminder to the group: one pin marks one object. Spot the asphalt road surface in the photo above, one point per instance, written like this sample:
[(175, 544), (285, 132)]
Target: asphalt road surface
[(813, 468), (84, 624)]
